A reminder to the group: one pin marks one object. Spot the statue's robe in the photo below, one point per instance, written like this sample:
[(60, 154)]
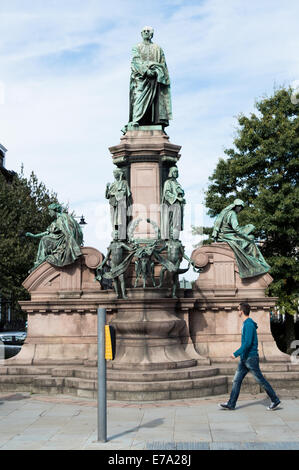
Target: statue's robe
[(118, 195), (250, 260), (172, 210), (61, 245), (150, 100)]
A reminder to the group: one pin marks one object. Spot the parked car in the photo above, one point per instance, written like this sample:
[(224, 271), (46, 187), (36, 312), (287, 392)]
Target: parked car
[(13, 337), (11, 343)]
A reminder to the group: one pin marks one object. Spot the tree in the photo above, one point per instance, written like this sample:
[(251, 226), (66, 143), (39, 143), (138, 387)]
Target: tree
[(262, 170), (23, 208)]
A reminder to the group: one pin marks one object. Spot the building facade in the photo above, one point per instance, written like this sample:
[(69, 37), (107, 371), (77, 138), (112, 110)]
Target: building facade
[(8, 174)]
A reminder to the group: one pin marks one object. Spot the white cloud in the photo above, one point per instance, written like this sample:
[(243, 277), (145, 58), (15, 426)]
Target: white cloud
[(65, 72)]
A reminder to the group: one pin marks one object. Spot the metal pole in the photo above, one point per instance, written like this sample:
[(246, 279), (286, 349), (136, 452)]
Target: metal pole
[(102, 393)]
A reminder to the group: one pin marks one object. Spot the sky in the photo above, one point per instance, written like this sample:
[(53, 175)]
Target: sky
[(64, 81)]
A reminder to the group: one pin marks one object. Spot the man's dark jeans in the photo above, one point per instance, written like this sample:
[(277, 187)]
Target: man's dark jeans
[(251, 364)]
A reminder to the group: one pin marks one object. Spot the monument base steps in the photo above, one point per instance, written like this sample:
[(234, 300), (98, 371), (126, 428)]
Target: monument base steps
[(282, 377), (183, 383)]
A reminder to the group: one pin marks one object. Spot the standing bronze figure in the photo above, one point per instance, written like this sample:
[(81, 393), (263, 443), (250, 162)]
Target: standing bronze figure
[(150, 101), (172, 210), (118, 194)]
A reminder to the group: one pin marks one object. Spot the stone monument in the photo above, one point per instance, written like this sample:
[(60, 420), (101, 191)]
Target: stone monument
[(166, 337), (149, 317)]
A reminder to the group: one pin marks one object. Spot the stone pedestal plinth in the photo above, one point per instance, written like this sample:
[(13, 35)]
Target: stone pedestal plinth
[(146, 156), (149, 332), (215, 326), (164, 346), (62, 321), (145, 187)]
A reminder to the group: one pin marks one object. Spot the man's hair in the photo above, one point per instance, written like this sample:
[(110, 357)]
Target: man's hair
[(245, 307)]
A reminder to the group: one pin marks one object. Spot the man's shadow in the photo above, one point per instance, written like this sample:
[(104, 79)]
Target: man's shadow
[(150, 424)]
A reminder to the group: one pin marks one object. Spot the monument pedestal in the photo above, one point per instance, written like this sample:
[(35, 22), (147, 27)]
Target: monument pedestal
[(146, 156), (149, 332), (164, 346), (62, 321), (152, 331), (153, 359)]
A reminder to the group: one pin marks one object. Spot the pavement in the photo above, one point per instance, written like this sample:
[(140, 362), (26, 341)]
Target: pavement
[(59, 422)]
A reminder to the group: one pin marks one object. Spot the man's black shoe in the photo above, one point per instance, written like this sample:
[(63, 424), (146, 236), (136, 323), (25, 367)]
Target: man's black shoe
[(225, 406), (273, 406)]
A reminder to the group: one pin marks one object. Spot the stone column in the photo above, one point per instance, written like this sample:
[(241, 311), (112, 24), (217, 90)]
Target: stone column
[(146, 155)]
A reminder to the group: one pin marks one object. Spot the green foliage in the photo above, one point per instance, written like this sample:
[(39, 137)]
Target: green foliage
[(23, 208), (262, 169), (203, 231)]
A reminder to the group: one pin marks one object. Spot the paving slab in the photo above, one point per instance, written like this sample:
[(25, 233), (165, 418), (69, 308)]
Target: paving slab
[(39, 422)]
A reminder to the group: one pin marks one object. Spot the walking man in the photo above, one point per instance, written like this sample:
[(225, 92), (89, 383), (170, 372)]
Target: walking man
[(249, 362)]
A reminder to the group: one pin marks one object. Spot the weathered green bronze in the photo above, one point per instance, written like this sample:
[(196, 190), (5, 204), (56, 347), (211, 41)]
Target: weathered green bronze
[(172, 209), (120, 256), (60, 244), (144, 264), (118, 194), (249, 259), (150, 101), (150, 112), (175, 255)]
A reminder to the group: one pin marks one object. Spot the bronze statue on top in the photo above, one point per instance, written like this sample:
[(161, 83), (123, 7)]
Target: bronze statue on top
[(150, 101)]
